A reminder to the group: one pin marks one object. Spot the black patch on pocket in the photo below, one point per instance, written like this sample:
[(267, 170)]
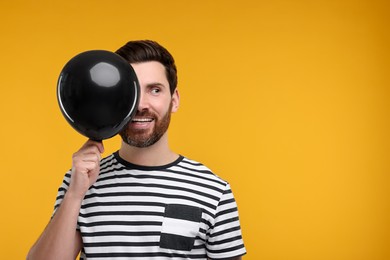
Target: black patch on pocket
[(176, 234), (176, 242), (184, 212)]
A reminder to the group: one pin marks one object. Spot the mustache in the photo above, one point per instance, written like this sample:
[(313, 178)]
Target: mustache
[(145, 113)]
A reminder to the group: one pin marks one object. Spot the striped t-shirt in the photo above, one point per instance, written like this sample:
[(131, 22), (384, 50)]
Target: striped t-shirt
[(176, 211)]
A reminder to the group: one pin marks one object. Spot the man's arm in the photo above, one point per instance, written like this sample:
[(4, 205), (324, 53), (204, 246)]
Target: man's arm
[(60, 239)]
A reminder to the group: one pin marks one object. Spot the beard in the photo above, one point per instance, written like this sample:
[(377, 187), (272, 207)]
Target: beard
[(142, 138)]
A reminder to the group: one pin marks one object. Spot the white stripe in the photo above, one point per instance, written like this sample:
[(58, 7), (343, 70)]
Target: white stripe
[(180, 227)]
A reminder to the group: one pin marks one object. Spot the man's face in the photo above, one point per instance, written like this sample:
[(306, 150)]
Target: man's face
[(156, 104)]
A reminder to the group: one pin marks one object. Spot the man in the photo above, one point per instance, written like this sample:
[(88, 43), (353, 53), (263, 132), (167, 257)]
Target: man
[(144, 201)]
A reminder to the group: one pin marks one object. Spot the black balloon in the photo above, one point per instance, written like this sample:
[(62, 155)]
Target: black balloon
[(98, 93)]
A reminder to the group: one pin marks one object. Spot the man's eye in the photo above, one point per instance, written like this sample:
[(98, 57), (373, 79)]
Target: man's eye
[(155, 90)]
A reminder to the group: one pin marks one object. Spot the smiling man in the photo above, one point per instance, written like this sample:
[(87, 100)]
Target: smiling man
[(144, 201), (156, 105)]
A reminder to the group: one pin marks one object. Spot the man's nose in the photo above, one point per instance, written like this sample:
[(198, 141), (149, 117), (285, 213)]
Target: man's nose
[(143, 103)]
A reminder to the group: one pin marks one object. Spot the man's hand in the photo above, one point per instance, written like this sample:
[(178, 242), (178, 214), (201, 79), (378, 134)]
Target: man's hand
[(85, 168)]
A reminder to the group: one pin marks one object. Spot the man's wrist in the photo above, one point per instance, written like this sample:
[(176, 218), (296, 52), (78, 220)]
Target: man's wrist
[(73, 197)]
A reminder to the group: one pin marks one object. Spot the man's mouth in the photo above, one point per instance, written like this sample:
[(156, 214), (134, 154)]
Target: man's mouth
[(142, 120)]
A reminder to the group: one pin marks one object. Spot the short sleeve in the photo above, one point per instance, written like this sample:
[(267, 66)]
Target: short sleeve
[(225, 237), (61, 193)]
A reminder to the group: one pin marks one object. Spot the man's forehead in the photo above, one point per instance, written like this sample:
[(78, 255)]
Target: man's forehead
[(150, 72)]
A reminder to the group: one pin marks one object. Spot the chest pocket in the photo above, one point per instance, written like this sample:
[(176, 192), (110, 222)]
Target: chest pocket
[(180, 227)]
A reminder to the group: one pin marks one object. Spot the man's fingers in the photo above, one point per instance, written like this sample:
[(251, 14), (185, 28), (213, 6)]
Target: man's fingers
[(90, 148), (97, 144), (90, 166), (100, 146), (95, 157)]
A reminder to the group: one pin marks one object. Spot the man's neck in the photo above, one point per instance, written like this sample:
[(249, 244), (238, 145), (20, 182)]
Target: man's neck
[(155, 155)]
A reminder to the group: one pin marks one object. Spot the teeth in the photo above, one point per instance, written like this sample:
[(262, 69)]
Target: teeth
[(142, 120)]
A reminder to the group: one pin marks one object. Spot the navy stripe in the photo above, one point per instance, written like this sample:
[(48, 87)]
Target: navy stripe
[(195, 175), (226, 212), (122, 203), (120, 223), (230, 220), (120, 213), (145, 255), (228, 240), (120, 233), (225, 231), (226, 202), (225, 250), (120, 244)]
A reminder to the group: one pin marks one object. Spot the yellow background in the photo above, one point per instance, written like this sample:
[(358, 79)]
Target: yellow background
[(287, 100)]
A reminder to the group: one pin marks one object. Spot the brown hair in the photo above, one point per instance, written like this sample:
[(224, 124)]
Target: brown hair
[(147, 50)]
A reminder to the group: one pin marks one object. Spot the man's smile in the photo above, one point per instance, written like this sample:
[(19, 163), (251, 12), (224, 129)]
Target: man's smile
[(141, 123), (142, 120)]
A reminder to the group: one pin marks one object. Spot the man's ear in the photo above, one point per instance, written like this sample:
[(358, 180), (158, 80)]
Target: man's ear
[(175, 101)]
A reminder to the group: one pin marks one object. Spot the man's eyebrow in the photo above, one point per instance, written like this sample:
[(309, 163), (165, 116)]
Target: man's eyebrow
[(154, 84)]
